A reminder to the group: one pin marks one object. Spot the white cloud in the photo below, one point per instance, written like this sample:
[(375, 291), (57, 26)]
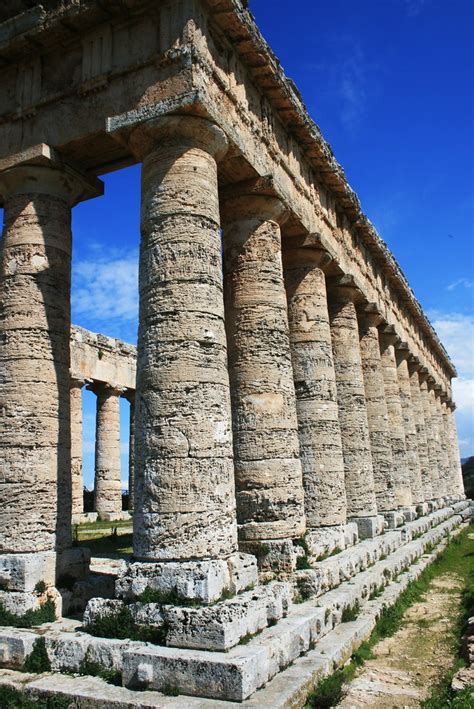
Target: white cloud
[(414, 7), (464, 282)]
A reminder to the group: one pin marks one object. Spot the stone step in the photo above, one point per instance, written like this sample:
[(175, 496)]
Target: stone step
[(235, 674), (289, 688)]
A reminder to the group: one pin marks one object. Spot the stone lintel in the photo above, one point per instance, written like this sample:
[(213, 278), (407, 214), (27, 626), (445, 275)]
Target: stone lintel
[(23, 172)]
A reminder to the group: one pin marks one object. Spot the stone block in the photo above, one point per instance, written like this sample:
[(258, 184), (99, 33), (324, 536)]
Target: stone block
[(84, 518), (218, 627), (326, 540), (422, 509), (394, 519), (243, 571), (409, 513), (22, 572), (101, 608), (15, 646), (369, 527), (114, 516), (274, 555), (73, 562), (203, 581)]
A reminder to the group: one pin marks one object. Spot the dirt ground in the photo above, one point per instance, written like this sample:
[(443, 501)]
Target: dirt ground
[(409, 663)]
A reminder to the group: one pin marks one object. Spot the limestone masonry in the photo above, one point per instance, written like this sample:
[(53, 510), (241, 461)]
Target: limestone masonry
[(293, 450)]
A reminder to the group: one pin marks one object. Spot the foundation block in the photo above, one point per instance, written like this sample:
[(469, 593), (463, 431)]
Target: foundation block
[(369, 527)]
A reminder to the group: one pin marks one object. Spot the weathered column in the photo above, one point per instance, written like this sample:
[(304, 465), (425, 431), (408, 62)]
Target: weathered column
[(421, 434), (377, 413), (435, 423), (184, 518), (359, 474), (77, 481), (269, 486), (456, 470), (402, 353), (37, 191), (315, 386), (130, 396), (107, 481), (430, 434), (445, 468)]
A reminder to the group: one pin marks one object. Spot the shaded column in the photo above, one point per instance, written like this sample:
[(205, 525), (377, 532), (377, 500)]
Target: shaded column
[(457, 478), (419, 416), (445, 467), (430, 433), (377, 413), (77, 480), (315, 385), (130, 396), (358, 469), (184, 477), (401, 471), (107, 482), (37, 193), (411, 446), (268, 474), (435, 423)]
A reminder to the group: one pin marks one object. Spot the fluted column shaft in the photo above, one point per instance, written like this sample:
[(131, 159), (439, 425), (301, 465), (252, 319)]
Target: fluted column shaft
[(445, 464), (269, 486), (377, 413), (184, 482), (411, 445), (430, 436), (108, 483), (131, 453), (359, 474), (315, 384), (401, 471), (455, 458), (77, 481), (35, 277), (422, 442), (435, 423)]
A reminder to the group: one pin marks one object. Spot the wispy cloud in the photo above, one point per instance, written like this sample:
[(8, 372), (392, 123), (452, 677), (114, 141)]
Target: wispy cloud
[(414, 7), (461, 282)]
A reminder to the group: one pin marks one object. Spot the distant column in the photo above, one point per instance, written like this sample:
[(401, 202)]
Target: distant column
[(315, 385), (377, 412), (130, 396), (359, 474), (108, 483), (430, 433), (411, 445), (268, 474), (456, 470), (445, 465), (419, 415), (403, 494), (438, 473), (77, 481)]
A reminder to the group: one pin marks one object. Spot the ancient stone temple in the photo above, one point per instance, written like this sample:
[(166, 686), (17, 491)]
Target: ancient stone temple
[(294, 451)]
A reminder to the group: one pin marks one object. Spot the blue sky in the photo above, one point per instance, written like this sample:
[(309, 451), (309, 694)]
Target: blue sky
[(389, 82)]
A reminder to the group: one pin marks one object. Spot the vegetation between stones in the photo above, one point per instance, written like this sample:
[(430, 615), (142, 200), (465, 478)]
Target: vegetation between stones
[(45, 614)]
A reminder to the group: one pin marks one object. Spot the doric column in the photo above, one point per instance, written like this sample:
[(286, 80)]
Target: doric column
[(315, 384), (430, 433), (184, 481), (269, 486), (402, 353), (456, 470), (130, 396), (359, 474), (445, 466), (401, 471), (37, 191), (77, 481), (377, 414), (435, 424), (107, 482), (419, 416)]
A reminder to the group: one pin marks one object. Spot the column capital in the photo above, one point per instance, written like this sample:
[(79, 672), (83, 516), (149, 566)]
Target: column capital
[(253, 199), (414, 363), (41, 170), (388, 335), (77, 381), (402, 350), (106, 388), (344, 289), (150, 134), (295, 256), (370, 315), (129, 394)]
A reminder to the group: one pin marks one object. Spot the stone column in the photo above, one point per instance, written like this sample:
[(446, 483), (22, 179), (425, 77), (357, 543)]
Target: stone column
[(458, 483), (445, 467), (430, 434), (107, 482), (184, 519), (359, 474), (403, 494), (37, 190), (419, 416), (377, 414), (77, 481), (268, 474), (130, 396), (411, 446), (435, 423), (315, 385)]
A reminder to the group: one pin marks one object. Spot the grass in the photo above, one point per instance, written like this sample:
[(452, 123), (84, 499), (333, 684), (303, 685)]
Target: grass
[(121, 626), (93, 669), (13, 699), (113, 547), (37, 661), (456, 558), (45, 614), (350, 613)]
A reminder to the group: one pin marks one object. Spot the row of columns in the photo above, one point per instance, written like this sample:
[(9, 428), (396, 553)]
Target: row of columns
[(107, 478), (267, 401)]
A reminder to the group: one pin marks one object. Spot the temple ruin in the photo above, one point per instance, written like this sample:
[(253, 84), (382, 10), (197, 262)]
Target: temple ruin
[(294, 450)]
